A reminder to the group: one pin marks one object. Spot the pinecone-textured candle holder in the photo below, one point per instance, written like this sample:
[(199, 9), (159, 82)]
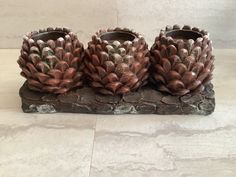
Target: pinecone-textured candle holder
[(182, 60), (117, 61), (116, 70), (51, 60)]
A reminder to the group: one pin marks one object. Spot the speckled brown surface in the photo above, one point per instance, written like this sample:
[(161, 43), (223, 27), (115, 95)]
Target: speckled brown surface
[(145, 101)]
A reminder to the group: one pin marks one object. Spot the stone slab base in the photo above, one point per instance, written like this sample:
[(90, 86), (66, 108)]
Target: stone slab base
[(145, 101)]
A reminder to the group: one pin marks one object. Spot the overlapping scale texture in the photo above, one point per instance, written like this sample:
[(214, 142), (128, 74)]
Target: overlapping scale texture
[(116, 67), (182, 60), (51, 60)]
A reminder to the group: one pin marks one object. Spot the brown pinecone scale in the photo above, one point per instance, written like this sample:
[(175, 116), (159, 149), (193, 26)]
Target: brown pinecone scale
[(51, 60), (116, 61), (182, 60)]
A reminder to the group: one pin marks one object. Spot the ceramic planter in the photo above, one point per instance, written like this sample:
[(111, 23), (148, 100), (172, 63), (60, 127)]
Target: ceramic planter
[(51, 60), (182, 60), (117, 61)]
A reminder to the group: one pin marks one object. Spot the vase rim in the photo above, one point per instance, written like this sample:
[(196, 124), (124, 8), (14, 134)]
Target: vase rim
[(49, 35), (118, 35), (183, 34)]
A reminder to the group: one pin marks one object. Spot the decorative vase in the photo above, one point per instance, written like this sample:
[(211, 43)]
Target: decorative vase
[(51, 60), (113, 69), (116, 61), (182, 60)]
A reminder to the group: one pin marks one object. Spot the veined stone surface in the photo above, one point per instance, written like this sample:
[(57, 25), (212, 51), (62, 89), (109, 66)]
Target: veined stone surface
[(81, 145)]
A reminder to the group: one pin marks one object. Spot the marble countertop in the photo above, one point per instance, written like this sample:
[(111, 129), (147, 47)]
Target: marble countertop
[(81, 145)]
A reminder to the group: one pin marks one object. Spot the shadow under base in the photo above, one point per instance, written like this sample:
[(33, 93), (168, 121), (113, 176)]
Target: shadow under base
[(145, 101)]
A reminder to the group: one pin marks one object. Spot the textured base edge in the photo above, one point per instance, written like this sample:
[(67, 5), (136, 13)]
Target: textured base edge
[(145, 101)]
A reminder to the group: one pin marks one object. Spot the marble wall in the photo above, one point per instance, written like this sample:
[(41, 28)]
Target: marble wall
[(145, 16)]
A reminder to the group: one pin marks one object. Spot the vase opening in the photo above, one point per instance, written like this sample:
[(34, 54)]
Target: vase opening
[(120, 36), (52, 35), (183, 34)]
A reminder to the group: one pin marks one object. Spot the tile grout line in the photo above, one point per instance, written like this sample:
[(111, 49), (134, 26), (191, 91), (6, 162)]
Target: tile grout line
[(91, 159), (117, 15)]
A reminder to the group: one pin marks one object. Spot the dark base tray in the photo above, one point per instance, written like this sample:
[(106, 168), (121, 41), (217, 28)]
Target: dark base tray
[(145, 101)]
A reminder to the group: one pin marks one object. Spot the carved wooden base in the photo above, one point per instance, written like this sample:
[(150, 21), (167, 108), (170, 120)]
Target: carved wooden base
[(145, 101)]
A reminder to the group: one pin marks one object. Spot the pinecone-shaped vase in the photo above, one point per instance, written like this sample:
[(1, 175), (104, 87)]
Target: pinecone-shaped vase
[(116, 61), (51, 60), (182, 60)]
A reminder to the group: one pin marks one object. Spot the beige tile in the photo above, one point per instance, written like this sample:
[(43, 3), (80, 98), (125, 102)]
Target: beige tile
[(45, 145), (181, 146), (142, 145), (125, 145), (85, 17), (165, 146), (33, 145), (10, 79), (54, 145), (148, 17)]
